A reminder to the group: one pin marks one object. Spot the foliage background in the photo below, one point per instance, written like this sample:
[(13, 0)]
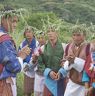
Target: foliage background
[(63, 13)]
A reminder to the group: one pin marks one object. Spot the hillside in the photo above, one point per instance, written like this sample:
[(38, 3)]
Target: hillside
[(69, 10), (72, 11)]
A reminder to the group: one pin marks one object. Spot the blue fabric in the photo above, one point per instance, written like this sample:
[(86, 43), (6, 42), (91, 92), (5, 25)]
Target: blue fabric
[(46, 72), (2, 29), (8, 57), (6, 74), (93, 55), (85, 77), (93, 84), (50, 83), (32, 46), (56, 87), (63, 72), (60, 87)]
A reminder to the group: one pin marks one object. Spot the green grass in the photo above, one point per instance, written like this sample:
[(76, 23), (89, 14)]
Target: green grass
[(20, 80), (20, 86)]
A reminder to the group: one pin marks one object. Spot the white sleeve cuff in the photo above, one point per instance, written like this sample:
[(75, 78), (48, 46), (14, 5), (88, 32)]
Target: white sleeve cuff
[(78, 64), (67, 66), (21, 62)]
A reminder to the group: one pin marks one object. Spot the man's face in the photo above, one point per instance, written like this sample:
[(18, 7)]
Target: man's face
[(78, 38), (10, 23), (14, 22), (28, 34), (41, 40), (52, 35)]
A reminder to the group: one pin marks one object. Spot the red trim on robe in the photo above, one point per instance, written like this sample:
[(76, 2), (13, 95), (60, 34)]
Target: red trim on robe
[(90, 73)]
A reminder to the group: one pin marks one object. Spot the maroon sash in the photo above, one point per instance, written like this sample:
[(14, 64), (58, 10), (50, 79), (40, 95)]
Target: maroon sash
[(46, 92)]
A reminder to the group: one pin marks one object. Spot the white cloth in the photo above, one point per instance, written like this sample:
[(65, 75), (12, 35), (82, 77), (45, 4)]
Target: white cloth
[(78, 64), (29, 73), (39, 83), (21, 62), (1, 33), (38, 93), (12, 82), (73, 89), (67, 66), (13, 86)]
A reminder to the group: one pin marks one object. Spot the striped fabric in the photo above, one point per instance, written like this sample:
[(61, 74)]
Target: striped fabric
[(5, 88), (28, 85)]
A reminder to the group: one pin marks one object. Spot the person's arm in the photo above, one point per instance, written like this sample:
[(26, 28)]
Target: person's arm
[(10, 57)]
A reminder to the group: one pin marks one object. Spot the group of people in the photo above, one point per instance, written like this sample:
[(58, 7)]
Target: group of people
[(50, 67)]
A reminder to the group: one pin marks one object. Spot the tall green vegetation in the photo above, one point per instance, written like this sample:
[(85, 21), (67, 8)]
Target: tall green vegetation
[(62, 14), (69, 10)]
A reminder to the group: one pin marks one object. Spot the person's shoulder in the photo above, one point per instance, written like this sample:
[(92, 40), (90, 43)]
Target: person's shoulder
[(4, 37)]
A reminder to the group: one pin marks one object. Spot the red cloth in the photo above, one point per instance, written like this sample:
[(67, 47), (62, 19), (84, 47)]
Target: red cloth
[(1, 68), (90, 73), (4, 37), (5, 88), (46, 92)]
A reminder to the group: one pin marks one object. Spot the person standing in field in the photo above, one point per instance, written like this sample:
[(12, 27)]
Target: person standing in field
[(49, 63), (10, 61), (29, 75), (89, 72), (76, 53), (39, 79)]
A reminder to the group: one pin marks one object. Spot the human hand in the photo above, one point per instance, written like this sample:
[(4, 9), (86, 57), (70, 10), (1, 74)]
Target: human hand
[(58, 76), (62, 62), (70, 58), (53, 75), (24, 52)]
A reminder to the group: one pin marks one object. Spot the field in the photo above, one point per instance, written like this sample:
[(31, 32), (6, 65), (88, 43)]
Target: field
[(61, 14)]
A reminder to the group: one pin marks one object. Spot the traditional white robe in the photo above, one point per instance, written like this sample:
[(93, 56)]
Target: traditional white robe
[(73, 89), (38, 84)]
